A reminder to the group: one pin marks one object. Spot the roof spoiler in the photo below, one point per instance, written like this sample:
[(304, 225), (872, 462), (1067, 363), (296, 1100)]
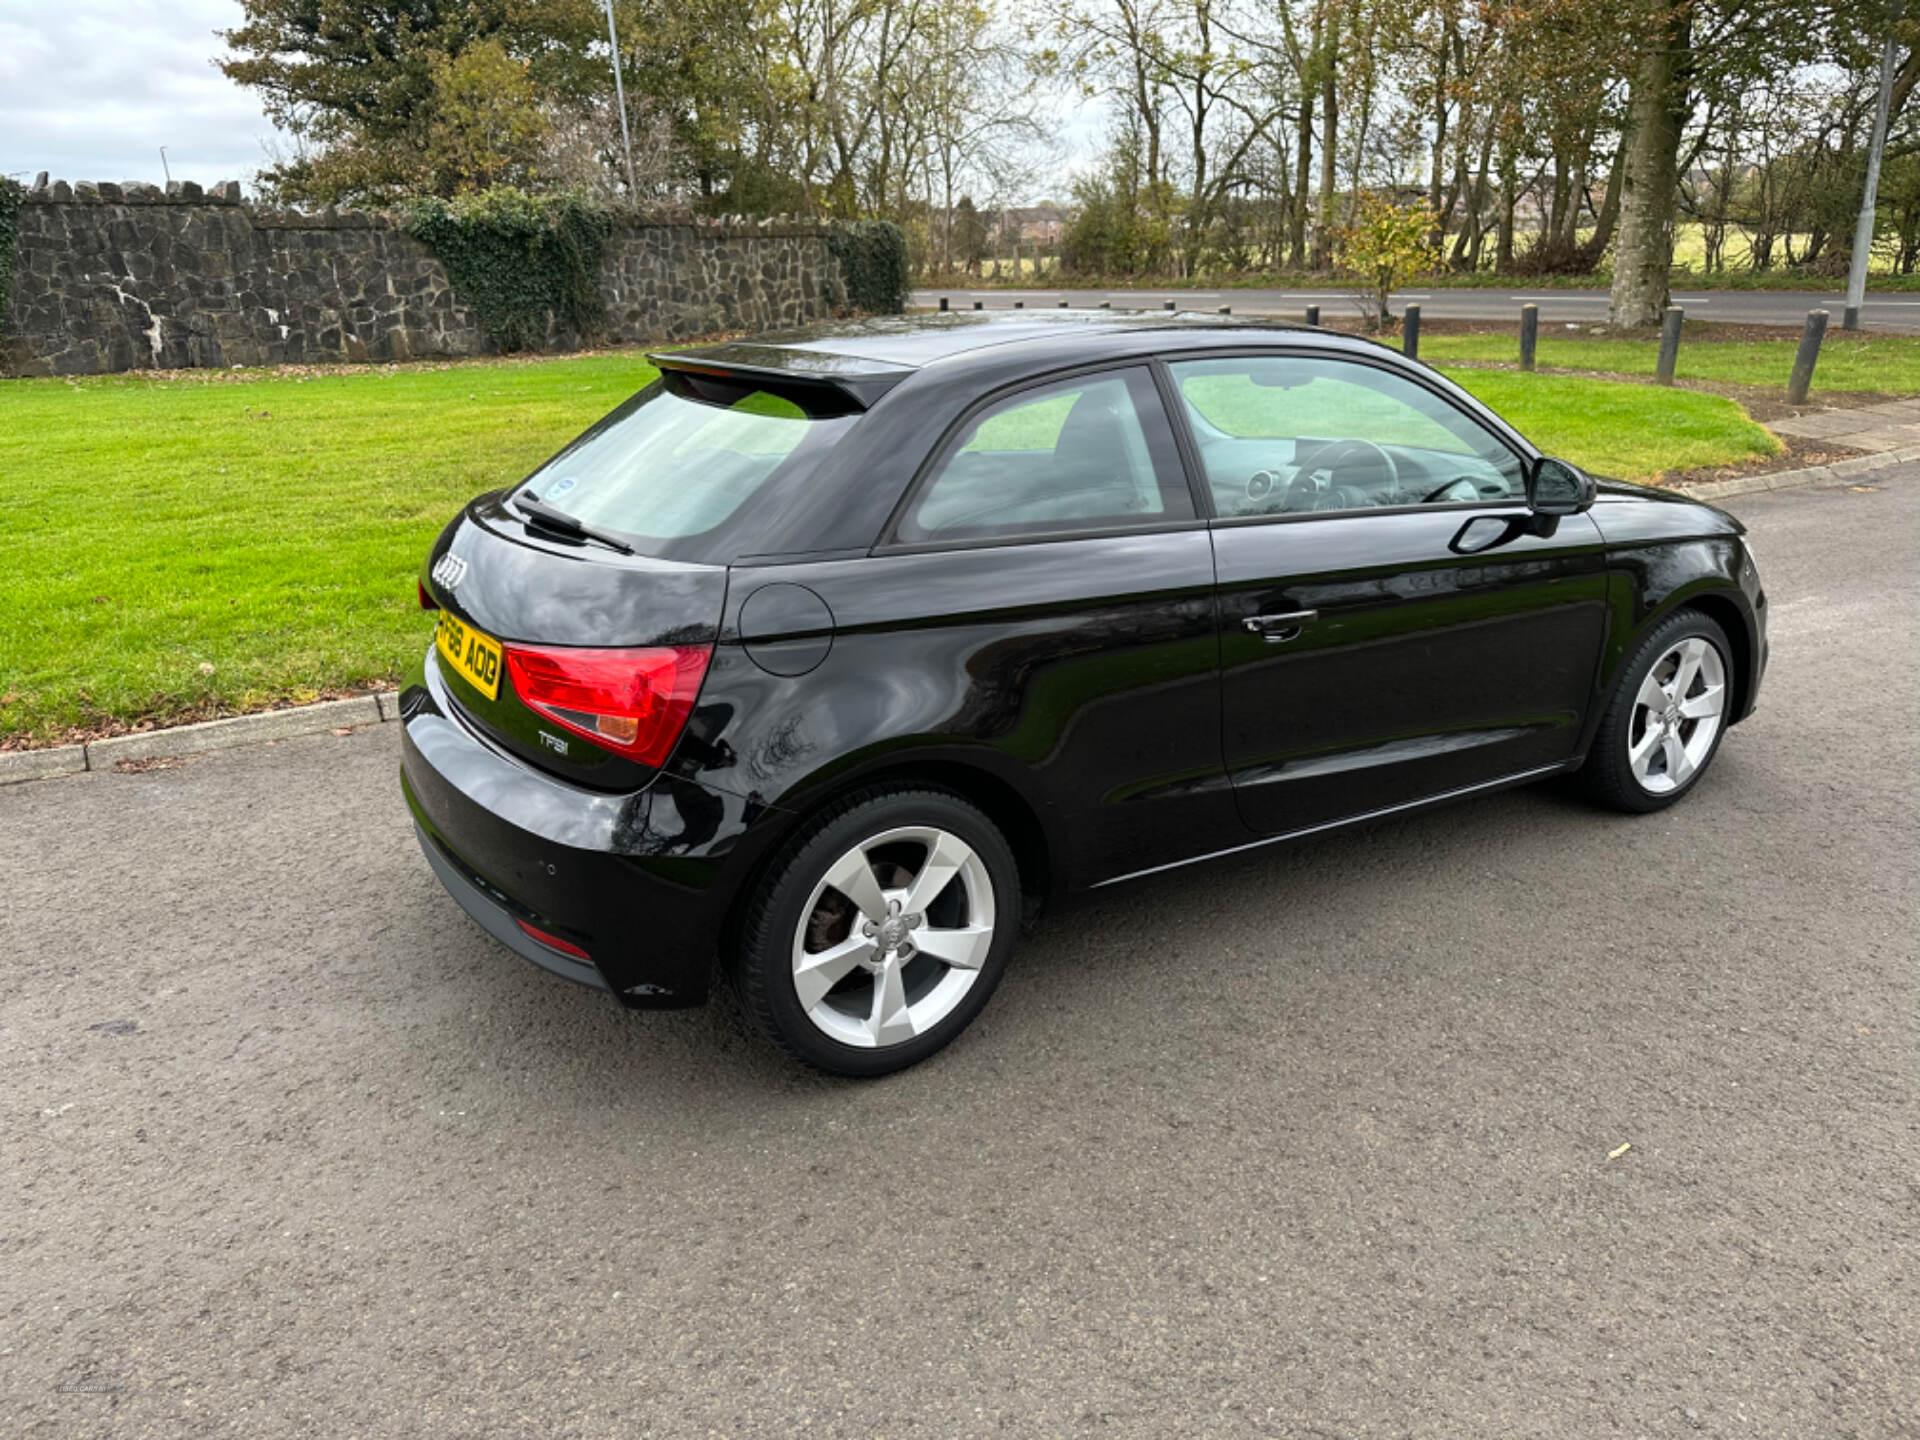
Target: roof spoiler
[(817, 394)]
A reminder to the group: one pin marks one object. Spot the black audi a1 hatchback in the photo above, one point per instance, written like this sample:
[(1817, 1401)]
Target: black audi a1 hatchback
[(831, 656)]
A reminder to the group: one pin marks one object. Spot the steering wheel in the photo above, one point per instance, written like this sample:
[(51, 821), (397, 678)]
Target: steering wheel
[(1435, 494), (1338, 460)]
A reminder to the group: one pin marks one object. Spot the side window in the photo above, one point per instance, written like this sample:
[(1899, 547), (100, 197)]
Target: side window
[(1091, 453), (1283, 434)]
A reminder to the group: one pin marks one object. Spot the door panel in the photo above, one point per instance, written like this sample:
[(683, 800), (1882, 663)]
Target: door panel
[(1083, 669), (1422, 670), (1083, 672)]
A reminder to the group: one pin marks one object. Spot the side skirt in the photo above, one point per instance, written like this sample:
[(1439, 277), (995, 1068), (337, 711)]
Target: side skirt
[(1406, 807)]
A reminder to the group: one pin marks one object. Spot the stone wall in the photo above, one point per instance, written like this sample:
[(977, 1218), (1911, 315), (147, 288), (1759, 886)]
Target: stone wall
[(123, 277)]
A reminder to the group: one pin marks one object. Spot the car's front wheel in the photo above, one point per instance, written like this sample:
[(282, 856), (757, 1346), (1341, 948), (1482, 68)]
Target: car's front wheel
[(1665, 721), (880, 932)]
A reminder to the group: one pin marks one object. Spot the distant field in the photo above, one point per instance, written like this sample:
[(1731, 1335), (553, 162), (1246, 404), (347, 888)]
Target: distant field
[(1689, 262), (183, 547)]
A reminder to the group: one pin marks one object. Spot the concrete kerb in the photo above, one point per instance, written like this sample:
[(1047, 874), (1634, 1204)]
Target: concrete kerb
[(194, 739), (1837, 472), (41, 764)]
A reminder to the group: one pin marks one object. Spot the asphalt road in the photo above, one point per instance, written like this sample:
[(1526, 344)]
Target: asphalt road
[(1895, 312), (1315, 1142)]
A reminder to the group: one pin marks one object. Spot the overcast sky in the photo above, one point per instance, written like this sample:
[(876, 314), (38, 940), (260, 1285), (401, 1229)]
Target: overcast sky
[(90, 89)]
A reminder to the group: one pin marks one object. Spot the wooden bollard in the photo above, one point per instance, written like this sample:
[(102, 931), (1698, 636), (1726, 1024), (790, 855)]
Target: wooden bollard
[(1410, 333), (1809, 351), (1313, 315), (1529, 334), (943, 302), (1669, 344)]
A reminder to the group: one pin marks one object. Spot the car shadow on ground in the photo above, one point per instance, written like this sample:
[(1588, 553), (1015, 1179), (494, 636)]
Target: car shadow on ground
[(1294, 912)]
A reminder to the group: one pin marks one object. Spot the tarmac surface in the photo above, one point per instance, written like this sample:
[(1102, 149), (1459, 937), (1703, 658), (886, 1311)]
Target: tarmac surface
[(1512, 1119)]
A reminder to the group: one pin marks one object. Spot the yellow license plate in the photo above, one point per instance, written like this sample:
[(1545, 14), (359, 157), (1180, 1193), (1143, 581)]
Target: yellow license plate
[(472, 654)]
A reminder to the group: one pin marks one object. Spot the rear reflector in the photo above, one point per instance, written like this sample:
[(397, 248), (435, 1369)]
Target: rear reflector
[(553, 942), (633, 702), (427, 602)]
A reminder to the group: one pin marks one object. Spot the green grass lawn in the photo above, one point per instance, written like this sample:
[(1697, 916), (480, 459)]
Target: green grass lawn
[(177, 548), (1888, 364), (1631, 432)]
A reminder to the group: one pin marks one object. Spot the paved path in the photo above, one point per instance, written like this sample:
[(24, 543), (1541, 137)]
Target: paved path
[(1309, 1144), (1893, 312), (1876, 428)]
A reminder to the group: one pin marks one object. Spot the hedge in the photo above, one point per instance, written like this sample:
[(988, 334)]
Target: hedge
[(521, 261), (873, 262), (10, 193)]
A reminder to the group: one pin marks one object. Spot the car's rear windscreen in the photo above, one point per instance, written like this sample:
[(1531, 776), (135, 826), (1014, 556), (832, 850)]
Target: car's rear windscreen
[(682, 468)]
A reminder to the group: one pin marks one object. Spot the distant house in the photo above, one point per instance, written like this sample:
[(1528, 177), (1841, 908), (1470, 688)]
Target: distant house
[(1031, 225)]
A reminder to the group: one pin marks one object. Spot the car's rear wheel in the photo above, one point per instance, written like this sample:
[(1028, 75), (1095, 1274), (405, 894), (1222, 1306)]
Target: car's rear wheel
[(880, 932), (1666, 719)]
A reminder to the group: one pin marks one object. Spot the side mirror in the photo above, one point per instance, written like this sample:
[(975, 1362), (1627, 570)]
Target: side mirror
[(1556, 488)]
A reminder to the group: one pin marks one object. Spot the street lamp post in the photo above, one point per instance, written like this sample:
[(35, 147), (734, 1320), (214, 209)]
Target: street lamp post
[(1863, 228), (620, 98)]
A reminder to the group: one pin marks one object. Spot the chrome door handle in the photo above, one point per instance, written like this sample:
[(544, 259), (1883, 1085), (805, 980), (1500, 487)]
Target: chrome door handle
[(1277, 628)]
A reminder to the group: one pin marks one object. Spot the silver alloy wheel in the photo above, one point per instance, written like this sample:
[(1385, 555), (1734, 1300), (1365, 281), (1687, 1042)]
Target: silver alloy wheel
[(1676, 715), (890, 941)]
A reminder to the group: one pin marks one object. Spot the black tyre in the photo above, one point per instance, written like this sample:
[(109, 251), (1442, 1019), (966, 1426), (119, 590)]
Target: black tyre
[(880, 931), (1666, 719)]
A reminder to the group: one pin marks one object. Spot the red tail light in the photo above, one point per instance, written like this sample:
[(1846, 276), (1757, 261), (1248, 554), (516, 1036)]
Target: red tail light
[(634, 702), (552, 942), (427, 602)]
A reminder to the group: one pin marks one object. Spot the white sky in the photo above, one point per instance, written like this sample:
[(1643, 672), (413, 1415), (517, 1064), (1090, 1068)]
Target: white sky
[(90, 89)]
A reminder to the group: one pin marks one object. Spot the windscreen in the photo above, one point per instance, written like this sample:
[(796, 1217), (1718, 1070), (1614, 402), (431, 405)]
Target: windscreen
[(685, 461)]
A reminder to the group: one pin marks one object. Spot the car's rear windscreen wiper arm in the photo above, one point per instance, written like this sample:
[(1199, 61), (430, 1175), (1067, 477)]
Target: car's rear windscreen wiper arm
[(559, 520)]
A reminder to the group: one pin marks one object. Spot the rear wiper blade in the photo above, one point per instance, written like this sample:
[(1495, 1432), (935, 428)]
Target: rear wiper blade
[(559, 520)]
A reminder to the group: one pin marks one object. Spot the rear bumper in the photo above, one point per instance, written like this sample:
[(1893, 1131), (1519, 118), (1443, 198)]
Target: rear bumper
[(497, 920), (642, 882)]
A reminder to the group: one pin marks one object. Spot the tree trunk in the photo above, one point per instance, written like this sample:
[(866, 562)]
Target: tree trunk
[(1466, 249), (1297, 215), (1509, 198), (1569, 238), (1655, 112), (1557, 199), (1437, 171), (1329, 142), (1587, 256)]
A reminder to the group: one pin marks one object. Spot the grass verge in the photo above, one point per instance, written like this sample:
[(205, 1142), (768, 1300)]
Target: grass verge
[(1617, 428), (1886, 364), (182, 547)]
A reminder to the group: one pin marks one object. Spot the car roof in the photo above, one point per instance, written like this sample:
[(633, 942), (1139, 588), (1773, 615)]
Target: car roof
[(867, 357)]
